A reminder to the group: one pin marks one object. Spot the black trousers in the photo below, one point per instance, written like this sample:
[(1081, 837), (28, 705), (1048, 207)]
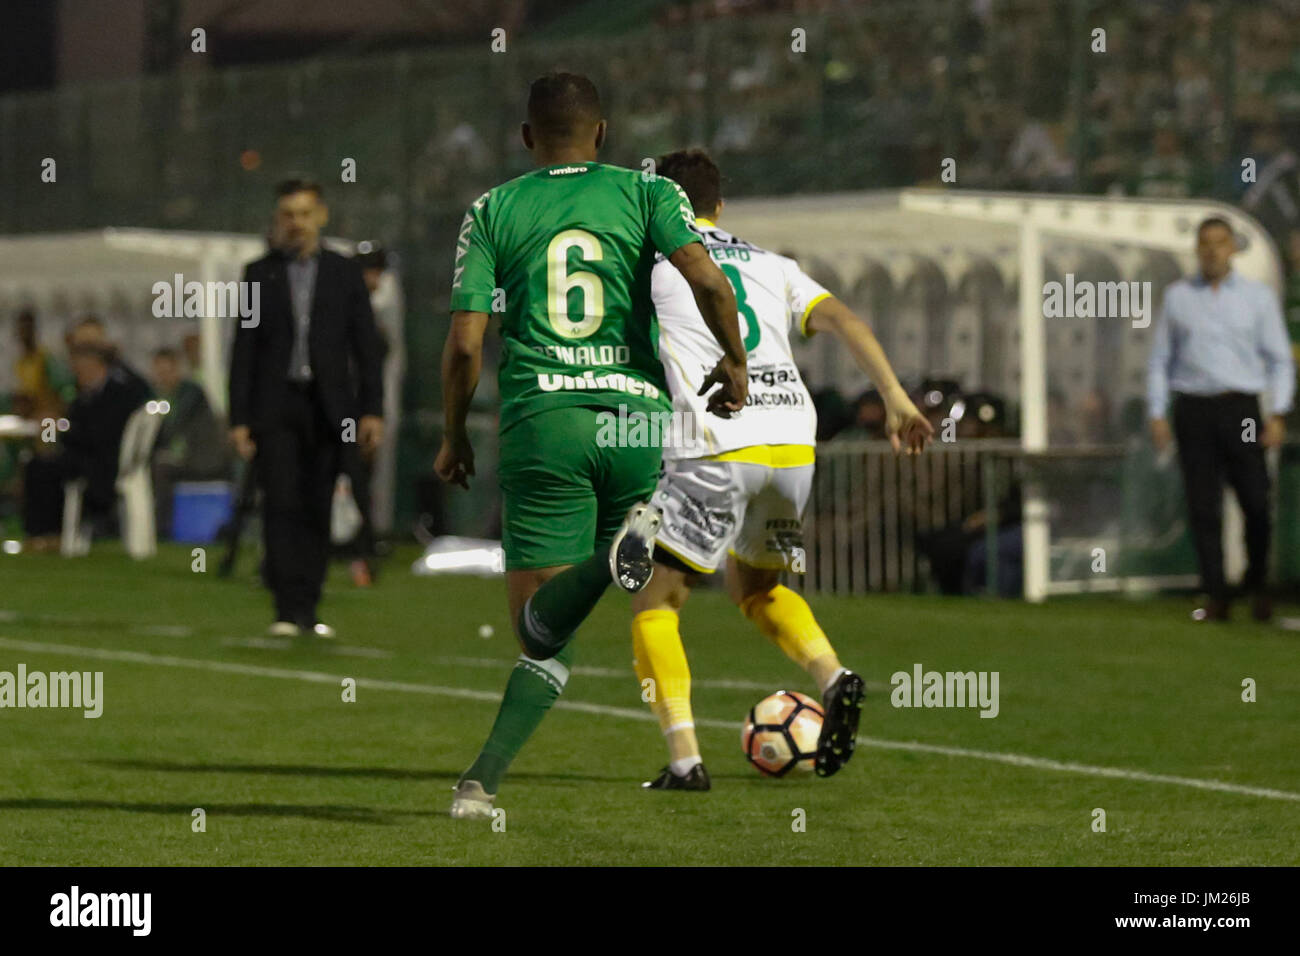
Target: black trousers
[(297, 460), (43, 494), (43, 482), (1209, 432)]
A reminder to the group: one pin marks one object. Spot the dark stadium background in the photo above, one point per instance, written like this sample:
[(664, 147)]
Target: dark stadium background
[(149, 135)]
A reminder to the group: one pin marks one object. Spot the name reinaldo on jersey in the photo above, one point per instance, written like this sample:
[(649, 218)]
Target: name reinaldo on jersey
[(772, 295)]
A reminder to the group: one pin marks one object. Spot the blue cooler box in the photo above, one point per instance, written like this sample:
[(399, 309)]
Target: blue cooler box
[(199, 509)]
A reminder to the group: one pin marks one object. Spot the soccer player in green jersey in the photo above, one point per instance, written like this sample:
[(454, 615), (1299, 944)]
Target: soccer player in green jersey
[(564, 254)]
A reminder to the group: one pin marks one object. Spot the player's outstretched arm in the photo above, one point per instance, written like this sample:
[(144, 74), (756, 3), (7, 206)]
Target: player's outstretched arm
[(906, 426), (717, 303), (462, 361)]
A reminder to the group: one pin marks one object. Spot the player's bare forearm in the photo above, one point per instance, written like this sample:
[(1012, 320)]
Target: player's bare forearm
[(906, 426), (714, 297), (462, 362), (834, 317)]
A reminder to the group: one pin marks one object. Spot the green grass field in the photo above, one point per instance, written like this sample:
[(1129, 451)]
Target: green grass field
[(198, 715)]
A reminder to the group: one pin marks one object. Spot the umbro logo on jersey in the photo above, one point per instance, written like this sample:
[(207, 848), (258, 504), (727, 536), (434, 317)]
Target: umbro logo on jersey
[(565, 170)]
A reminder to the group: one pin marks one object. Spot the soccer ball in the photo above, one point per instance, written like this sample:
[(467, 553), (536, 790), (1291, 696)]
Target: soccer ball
[(780, 733)]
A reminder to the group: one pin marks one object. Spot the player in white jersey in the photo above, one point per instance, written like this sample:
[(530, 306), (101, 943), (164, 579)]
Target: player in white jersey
[(733, 490)]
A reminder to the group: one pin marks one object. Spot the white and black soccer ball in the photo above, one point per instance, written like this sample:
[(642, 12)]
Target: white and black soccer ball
[(780, 733)]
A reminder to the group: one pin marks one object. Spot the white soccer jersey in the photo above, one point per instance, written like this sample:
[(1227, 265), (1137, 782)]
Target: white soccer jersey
[(772, 292)]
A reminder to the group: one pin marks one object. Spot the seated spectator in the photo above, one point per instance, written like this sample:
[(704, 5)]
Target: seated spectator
[(90, 331), (935, 399), (44, 383), (191, 444), (869, 415), (983, 415), (958, 553), (89, 449), (1167, 173), (1037, 160), (833, 413), (864, 417), (1010, 548)]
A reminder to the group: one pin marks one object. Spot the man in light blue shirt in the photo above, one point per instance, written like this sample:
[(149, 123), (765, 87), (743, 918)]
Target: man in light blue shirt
[(1219, 343)]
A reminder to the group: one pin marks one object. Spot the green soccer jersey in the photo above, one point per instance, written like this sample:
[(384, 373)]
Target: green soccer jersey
[(564, 255)]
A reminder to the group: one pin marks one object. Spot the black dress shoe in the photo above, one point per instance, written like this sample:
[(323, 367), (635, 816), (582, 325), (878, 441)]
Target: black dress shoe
[(1261, 607), (311, 627)]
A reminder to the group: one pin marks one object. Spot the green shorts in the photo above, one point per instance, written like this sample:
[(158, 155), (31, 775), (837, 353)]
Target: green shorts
[(564, 494)]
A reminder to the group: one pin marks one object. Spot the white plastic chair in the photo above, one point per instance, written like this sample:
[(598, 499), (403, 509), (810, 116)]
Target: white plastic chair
[(134, 485), (76, 536)]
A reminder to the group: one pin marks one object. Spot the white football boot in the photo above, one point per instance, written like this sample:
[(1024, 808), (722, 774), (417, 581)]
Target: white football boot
[(631, 554), (471, 801)]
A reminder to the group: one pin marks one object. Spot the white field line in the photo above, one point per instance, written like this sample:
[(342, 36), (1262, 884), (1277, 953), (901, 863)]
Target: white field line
[(287, 644), (63, 620), (181, 630), (317, 677), (710, 683)]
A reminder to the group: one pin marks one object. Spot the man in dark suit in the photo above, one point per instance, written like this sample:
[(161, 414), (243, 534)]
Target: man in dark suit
[(305, 378)]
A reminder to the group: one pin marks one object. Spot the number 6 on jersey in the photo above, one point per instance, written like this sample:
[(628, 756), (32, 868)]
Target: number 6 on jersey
[(559, 280)]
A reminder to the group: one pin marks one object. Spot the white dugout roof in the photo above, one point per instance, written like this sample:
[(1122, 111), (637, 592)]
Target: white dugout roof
[(111, 272)]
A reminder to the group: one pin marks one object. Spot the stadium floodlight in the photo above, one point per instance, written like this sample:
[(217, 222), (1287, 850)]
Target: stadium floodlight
[(450, 554)]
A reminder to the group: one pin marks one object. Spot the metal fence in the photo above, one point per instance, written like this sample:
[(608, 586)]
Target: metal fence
[(877, 521), (871, 511)]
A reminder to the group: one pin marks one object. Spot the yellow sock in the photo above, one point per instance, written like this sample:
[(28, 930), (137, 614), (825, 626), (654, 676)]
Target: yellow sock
[(786, 619), (660, 659)]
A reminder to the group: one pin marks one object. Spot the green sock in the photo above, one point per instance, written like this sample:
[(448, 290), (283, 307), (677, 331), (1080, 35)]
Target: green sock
[(533, 687), (547, 622)]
